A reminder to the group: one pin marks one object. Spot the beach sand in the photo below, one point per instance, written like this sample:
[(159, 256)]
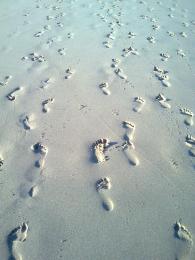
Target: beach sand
[(97, 143)]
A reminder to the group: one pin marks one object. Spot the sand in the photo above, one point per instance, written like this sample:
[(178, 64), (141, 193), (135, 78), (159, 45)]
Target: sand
[(91, 92)]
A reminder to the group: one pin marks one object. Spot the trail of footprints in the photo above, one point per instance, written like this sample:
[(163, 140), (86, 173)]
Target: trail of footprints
[(102, 147)]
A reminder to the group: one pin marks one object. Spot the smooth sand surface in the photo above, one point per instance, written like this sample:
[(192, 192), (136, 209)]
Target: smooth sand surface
[(54, 57)]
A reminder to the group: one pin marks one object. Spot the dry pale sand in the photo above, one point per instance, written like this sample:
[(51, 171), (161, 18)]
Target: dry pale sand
[(97, 142)]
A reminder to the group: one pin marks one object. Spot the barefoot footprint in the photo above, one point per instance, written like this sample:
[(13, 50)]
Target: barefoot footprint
[(27, 122), (139, 103), (45, 104), (99, 150), (129, 151), (12, 95), (15, 238), (6, 80), (182, 233), (105, 88), (102, 185), (162, 75), (129, 135), (120, 73), (69, 73), (39, 148), (33, 191), (163, 101), (189, 116)]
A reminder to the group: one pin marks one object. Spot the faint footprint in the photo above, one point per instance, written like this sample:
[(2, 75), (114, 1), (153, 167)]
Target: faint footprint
[(12, 95), (28, 122), (129, 151), (129, 135), (189, 116), (46, 82), (46, 103), (102, 185), (6, 80), (139, 103), (14, 239)]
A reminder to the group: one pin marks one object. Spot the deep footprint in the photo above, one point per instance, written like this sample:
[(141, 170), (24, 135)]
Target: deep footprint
[(17, 236)]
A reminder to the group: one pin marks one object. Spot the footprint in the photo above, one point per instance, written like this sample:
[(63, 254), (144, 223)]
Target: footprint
[(46, 82), (129, 135), (102, 185), (39, 148), (33, 191), (45, 104), (192, 152), (190, 140), (185, 237), (47, 27), (163, 101), (189, 116), (12, 95), (99, 150), (128, 51), (115, 63), (6, 80), (105, 88), (131, 35), (183, 34), (107, 44), (129, 151), (35, 57), (38, 34), (111, 36), (40, 163), (15, 238), (70, 35), (120, 73), (27, 122), (69, 73), (49, 17), (151, 39), (1, 162), (181, 232), (171, 34), (181, 53), (164, 56), (139, 103), (162, 75), (62, 51), (59, 24)]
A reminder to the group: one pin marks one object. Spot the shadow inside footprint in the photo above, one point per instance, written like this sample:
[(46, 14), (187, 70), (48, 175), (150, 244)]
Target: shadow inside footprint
[(10, 239)]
